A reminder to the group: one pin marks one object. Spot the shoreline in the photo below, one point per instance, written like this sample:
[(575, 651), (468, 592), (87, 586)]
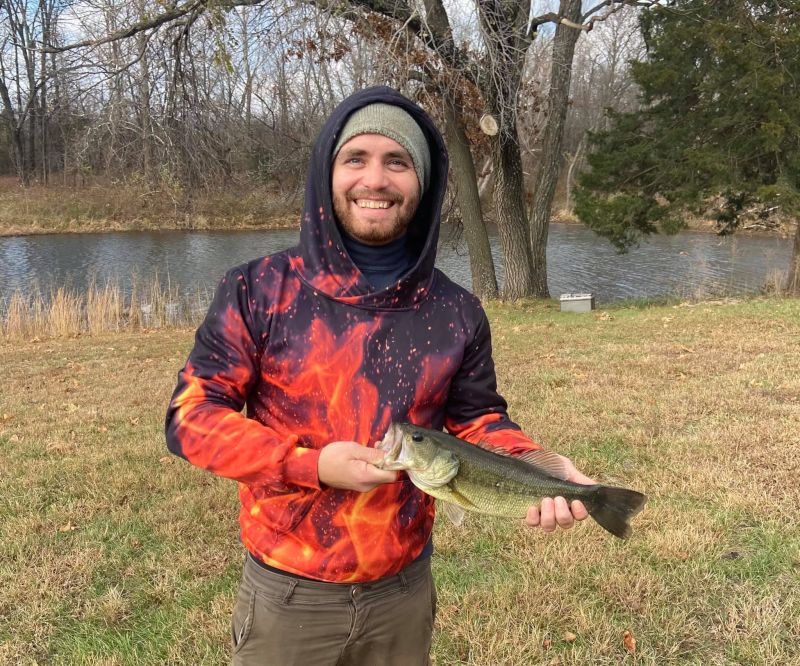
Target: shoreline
[(100, 207), (280, 223), (705, 226), (112, 226)]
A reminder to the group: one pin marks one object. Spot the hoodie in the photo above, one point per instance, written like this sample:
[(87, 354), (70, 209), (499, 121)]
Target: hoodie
[(298, 350)]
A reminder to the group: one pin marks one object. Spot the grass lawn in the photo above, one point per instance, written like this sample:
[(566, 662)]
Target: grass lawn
[(114, 552)]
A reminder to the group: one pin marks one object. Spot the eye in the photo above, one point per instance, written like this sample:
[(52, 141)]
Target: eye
[(417, 436)]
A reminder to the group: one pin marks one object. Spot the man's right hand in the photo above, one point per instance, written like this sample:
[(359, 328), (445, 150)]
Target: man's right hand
[(350, 466)]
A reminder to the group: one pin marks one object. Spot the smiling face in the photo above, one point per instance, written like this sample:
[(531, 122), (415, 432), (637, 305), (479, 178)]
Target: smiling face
[(375, 189)]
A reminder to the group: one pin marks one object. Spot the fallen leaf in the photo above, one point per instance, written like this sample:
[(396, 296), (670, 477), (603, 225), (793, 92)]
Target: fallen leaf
[(629, 641), (547, 643), (569, 637), (69, 527), (165, 460)]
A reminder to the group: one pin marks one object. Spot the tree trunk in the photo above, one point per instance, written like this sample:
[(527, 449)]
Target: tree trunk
[(550, 160), (247, 93), (793, 282), (484, 280), (504, 26), (44, 126), (510, 207), (29, 63), (485, 180), (145, 121), (14, 132), (573, 163)]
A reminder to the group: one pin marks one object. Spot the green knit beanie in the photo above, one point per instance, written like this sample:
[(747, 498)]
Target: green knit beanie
[(397, 124)]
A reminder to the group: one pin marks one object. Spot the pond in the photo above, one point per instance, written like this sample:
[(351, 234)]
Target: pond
[(687, 265)]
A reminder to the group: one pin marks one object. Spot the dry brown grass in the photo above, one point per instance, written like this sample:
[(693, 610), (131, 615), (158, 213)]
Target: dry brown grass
[(126, 206), (97, 310), (114, 552)]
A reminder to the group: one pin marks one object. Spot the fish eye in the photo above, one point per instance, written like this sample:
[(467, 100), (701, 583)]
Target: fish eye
[(416, 436)]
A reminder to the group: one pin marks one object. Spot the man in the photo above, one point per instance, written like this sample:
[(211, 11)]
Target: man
[(326, 344)]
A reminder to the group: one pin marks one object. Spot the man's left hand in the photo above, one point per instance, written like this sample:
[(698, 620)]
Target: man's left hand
[(556, 511)]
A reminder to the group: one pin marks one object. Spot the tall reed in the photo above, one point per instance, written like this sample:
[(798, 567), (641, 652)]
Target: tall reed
[(69, 312), (104, 309), (66, 313)]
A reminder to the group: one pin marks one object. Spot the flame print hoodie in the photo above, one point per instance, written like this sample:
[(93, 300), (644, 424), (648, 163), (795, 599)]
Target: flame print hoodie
[(314, 354)]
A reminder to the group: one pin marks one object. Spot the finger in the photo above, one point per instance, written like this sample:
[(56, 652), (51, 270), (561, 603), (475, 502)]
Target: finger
[(532, 517), (368, 454), (579, 510), (547, 515), (377, 476), (563, 514)]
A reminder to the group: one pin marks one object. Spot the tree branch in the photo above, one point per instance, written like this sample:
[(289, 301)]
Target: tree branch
[(175, 13), (615, 6)]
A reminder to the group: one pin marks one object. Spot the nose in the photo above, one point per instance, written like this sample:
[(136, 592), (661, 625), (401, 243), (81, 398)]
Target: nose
[(374, 176)]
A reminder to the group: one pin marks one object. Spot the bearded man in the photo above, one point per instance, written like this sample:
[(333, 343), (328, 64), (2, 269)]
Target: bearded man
[(326, 344)]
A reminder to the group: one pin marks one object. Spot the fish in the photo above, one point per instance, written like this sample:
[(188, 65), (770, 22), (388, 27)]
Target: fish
[(487, 480)]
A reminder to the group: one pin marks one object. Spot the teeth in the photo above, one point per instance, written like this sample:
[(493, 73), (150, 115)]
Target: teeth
[(369, 203)]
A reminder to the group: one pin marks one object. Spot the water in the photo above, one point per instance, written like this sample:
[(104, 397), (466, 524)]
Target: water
[(689, 264)]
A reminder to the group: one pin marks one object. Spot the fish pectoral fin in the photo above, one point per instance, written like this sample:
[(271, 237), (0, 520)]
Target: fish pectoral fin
[(453, 512)]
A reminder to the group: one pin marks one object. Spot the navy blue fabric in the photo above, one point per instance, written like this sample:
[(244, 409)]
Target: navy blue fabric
[(382, 265)]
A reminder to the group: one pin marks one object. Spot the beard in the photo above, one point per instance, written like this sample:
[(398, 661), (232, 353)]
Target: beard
[(374, 232)]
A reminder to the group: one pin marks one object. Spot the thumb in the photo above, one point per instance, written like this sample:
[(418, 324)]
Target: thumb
[(368, 454)]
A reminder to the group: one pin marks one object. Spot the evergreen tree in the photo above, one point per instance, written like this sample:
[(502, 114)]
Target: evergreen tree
[(720, 117)]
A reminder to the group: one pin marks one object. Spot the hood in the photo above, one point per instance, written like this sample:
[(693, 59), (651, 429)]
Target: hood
[(323, 262)]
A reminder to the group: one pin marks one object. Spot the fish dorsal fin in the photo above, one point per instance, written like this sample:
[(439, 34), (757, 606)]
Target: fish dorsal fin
[(547, 461), (454, 512)]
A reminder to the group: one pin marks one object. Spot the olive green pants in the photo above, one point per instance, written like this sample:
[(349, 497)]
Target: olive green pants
[(284, 621)]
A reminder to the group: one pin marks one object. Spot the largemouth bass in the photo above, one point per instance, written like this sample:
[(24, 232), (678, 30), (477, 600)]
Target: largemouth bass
[(482, 479)]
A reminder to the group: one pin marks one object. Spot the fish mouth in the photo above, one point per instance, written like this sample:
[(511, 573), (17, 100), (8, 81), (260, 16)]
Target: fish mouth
[(392, 447)]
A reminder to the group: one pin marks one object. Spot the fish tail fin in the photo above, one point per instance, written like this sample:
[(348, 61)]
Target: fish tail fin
[(613, 508)]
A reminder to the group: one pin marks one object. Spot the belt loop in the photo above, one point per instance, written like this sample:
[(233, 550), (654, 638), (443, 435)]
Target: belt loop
[(289, 592), (403, 582)]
